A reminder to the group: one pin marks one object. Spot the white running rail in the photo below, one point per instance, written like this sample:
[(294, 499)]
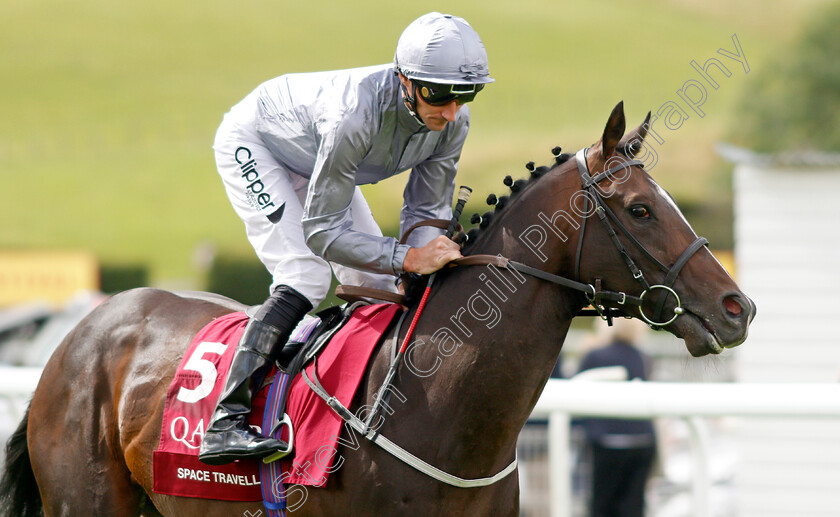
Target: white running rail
[(16, 387), (692, 402), (563, 399)]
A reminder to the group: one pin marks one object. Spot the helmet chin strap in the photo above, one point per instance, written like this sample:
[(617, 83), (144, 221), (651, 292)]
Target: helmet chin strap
[(411, 102)]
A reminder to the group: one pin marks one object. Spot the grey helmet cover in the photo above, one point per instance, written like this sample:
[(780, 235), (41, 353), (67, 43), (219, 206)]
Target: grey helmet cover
[(443, 49)]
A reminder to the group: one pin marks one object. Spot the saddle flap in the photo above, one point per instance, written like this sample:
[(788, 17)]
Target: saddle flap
[(308, 342)]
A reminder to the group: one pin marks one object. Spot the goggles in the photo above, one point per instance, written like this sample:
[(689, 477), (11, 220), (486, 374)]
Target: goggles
[(441, 94)]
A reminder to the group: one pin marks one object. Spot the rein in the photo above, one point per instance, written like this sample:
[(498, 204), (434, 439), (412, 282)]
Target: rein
[(365, 428), (596, 296)]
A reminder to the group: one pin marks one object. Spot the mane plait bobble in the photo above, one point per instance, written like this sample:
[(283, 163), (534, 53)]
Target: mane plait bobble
[(559, 155), (516, 186), (539, 171)]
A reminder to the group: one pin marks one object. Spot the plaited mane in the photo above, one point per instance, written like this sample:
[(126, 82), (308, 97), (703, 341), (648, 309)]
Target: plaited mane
[(500, 202)]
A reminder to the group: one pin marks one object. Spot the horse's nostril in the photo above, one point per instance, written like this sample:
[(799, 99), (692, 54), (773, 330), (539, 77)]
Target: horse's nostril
[(733, 307)]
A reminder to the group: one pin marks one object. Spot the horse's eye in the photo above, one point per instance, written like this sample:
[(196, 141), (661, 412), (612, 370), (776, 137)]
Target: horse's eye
[(639, 211)]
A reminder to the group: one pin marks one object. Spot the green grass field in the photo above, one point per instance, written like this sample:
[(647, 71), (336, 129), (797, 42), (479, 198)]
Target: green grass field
[(108, 109)]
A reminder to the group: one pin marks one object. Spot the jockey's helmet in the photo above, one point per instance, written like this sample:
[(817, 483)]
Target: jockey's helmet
[(442, 49)]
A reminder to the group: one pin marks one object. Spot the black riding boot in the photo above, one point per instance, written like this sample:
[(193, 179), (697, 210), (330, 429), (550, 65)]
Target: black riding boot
[(228, 436)]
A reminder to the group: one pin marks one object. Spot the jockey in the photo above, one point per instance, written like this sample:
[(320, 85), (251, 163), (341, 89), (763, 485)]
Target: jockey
[(291, 155)]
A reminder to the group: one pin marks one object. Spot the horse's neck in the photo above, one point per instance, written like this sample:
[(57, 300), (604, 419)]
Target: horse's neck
[(520, 321), (506, 339), (481, 367), (491, 339), (487, 342)]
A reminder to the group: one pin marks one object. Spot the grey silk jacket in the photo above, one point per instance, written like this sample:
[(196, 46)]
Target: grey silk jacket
[(350, 127)]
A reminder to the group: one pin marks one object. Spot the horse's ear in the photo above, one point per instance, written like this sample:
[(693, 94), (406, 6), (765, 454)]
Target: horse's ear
[(632, 143), (614, 130)]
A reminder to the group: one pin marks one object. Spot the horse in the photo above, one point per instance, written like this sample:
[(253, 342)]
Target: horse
[(482, 351)]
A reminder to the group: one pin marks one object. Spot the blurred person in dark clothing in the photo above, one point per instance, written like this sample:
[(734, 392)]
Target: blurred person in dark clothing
[(623, 451)]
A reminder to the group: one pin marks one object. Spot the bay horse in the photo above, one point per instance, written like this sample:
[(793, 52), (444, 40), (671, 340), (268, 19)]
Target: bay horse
[(483, 350)]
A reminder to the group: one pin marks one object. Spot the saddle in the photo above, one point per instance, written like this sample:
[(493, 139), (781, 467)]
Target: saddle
[(298, 351)]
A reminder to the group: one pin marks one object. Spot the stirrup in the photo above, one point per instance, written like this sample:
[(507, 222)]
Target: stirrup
[(282, 453)]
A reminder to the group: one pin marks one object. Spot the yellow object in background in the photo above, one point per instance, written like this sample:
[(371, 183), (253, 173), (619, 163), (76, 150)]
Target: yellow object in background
[(727, 260), (51, 276)]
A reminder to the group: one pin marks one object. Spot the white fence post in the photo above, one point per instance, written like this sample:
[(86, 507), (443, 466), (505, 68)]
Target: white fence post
[(701, 480), (559, 464)]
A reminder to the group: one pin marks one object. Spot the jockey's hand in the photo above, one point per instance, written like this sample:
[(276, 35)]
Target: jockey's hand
[(431, 257)]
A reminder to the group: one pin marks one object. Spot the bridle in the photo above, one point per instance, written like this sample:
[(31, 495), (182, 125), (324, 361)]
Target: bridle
[(594, 294), (608, 218)]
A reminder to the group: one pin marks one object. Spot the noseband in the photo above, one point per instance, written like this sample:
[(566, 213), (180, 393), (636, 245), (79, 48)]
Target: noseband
[(608, 218)]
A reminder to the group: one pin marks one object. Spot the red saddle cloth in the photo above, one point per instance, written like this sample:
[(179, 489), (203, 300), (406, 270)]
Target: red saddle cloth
[(198, 383)]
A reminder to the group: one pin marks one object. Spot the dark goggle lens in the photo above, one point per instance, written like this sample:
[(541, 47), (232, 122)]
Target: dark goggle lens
[(440, 94)]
